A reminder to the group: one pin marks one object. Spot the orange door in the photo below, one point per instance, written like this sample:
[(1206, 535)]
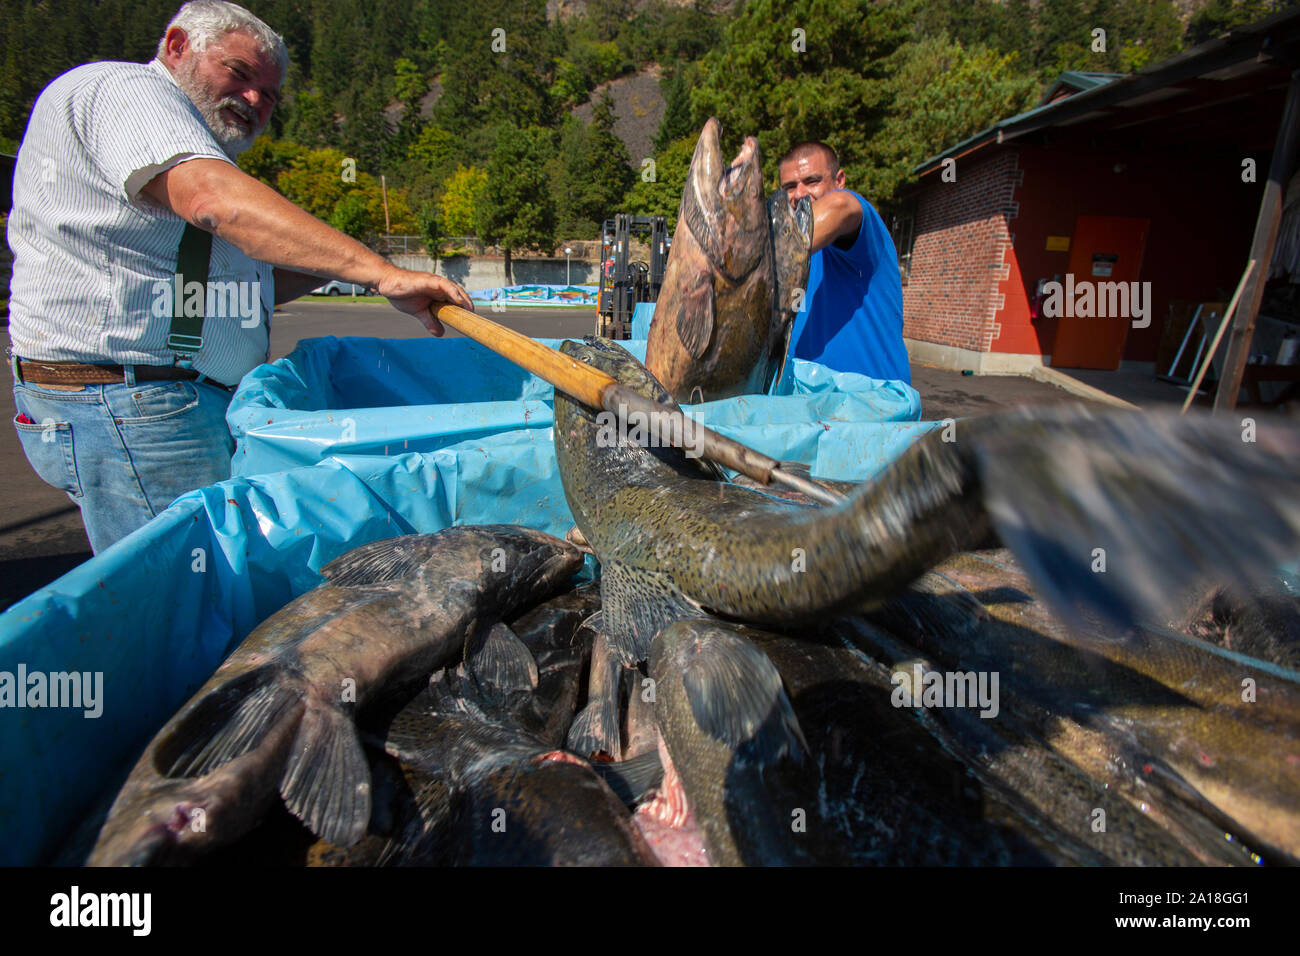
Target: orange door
[(1104, 249)]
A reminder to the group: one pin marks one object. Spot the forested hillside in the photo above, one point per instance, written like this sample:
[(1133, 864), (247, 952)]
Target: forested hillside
[(467, 111)]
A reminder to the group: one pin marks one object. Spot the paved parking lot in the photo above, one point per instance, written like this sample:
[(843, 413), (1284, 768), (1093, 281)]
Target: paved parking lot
[(41, 536)]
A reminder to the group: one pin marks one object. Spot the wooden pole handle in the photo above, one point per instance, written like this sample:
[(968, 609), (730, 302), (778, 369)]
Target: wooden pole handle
[(584, 382), (596, 389)]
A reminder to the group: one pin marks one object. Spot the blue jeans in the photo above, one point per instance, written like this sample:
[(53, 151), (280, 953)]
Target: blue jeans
[(124, 452)]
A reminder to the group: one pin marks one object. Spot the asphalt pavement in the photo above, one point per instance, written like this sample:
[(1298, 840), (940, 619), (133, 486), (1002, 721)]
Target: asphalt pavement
[(41, 535)]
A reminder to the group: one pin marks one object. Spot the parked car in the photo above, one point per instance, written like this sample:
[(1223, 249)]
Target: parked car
[(341, 288)]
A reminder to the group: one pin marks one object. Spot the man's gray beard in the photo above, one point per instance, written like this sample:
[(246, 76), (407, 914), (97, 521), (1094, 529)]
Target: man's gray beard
[(229, 137)]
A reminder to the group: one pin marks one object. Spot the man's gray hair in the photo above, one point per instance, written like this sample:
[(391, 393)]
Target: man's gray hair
[(206, 20)]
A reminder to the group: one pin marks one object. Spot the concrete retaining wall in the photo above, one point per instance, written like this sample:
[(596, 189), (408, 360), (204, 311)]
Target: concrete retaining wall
[(490, 272)]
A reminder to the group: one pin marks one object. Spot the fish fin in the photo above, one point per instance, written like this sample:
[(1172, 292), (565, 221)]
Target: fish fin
[(444, 698), (632, 779), (500, 662), (228, 722), (596, 728), (1121, 512), (695, 314), (326, 783), (594, 622), (635, 604), (736, 696), (379, 561)]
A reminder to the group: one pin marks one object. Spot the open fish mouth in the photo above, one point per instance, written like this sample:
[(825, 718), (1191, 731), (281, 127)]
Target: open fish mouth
[(734, 179)]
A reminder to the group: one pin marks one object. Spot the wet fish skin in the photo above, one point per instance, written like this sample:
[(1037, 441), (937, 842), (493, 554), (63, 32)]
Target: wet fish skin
[(792, 229), (274, 715), (595, 731), (1048, 798), (511, 798), (735, 744), (715, 325), (1161, 717), (415, 802), (159, 821), (553, 632), (1264, 623), (1056, 482), (889, 794)]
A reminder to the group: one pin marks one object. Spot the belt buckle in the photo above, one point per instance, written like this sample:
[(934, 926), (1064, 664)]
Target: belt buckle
[(185, 346)]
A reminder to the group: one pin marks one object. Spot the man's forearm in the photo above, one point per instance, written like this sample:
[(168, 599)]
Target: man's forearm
[(263, 224), (837, 217)]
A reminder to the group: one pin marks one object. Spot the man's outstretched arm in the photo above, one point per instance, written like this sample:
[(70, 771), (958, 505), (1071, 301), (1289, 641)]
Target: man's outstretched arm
[(837, 217), (254, 218)]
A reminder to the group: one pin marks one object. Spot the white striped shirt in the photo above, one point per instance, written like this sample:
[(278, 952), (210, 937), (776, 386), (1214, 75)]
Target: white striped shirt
[(93, 259)]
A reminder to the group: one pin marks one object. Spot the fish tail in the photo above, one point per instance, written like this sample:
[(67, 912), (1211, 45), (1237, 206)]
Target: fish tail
[(326, 783), (595, 729), (632, 779), (232, 720)]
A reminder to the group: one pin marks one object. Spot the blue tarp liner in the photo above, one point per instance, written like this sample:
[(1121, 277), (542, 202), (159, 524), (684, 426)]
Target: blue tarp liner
[(362, 396), (642, 316), (156, 613)]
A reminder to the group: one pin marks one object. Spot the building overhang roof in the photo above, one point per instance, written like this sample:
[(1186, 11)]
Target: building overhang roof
[(1240, 64)]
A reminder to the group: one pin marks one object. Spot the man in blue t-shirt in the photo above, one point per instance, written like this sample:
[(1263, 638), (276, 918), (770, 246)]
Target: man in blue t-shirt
[(852, 319)]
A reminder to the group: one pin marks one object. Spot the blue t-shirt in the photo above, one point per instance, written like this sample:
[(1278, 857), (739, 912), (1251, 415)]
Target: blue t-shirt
[(852, 319)]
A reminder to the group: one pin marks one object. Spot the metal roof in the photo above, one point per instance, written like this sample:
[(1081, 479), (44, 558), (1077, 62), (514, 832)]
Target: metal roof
[(1078, 81)]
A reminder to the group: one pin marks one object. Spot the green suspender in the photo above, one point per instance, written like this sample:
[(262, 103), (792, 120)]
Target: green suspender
[(186, 335)]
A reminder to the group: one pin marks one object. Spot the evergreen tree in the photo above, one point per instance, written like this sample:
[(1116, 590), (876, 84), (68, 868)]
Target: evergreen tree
[(805, 69), (677, 121), (517, 210), (604, 173), (1219, 16), (662, 195)]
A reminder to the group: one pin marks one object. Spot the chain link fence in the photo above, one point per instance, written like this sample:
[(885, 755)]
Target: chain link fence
[(388, 245)]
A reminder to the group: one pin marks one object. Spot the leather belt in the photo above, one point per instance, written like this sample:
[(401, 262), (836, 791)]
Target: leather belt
[(78, 373)]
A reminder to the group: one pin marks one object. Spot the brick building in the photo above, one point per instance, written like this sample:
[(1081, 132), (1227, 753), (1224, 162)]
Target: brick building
[(1152, 180)]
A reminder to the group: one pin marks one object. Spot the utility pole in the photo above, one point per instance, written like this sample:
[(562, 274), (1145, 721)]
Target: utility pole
[(383, 185)]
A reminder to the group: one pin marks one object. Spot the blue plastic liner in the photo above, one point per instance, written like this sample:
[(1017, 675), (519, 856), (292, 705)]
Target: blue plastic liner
[(156, 613), (362, 396), (642, 315)]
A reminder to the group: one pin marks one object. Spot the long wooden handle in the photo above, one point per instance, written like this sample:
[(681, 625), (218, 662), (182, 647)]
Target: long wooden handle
[(596, 389), (585, 383)]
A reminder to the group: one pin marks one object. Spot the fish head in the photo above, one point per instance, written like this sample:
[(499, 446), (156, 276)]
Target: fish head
[(592, 456), (723, 204), (166, 824), (792, 228), (619, 364)]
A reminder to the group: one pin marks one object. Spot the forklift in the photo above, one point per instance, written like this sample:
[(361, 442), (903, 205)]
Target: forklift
[(623, 283)]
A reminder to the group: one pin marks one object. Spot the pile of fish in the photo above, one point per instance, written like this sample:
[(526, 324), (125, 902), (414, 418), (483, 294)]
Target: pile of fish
[(755, 680), (454, 699)]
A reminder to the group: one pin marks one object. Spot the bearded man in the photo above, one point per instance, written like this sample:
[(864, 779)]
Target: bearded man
[(126, 195)]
